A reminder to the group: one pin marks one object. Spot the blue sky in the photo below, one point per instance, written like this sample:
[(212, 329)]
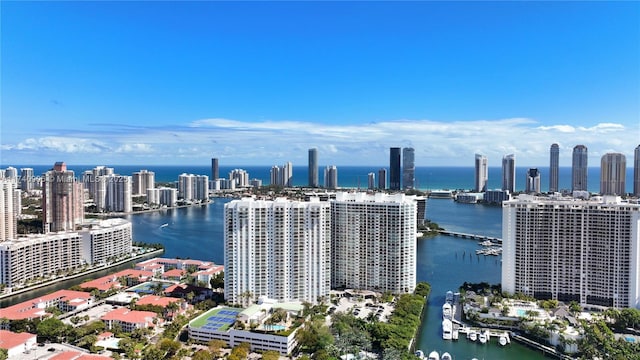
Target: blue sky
[(258, 83)]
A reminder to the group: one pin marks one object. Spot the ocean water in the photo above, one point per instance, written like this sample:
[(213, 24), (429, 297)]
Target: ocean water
[(427, 177)]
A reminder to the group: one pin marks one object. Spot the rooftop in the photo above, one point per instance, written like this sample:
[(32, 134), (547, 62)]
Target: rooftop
[(10, 339)]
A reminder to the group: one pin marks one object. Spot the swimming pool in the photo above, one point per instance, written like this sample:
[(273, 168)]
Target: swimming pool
[(274, 327)]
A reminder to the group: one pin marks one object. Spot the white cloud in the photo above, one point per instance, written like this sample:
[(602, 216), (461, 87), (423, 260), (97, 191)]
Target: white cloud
[(274, 142)]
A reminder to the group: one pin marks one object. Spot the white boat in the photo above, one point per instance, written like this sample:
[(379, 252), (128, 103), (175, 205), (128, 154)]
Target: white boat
[(434, 356), (482, 338), (446, 356), (502, 340), (446, 311), (449, 297), (419, 354), (447, 328), (164, 225), (472, 335)]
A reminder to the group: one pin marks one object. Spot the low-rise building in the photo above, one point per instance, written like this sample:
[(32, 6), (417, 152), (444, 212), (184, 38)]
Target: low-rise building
[(16, 343), (64, 300), (130, 320)]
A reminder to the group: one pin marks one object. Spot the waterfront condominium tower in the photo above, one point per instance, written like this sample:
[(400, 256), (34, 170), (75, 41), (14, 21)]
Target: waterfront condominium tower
[(215, 169), (533, 181), (482, 173), (279, 248), (371, 181), (572, 250), (579, 169), (282, 175), (394, 168), (62, 200), (382, 179), (373, 242), (9, 210), (313, 167), (636, 171), (143, 180), (408, 169), (509, 173), (554, 167), (613, 170), (331, 177), (27, 181)]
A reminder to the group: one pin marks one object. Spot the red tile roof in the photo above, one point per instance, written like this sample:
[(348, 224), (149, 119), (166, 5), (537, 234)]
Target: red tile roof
[(156, 300), (177, 273), (34, 308), (10, 339), (107, 282), (74, 355), (130, 316)]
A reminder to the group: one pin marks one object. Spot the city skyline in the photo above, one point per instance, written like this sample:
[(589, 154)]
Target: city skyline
[(496, 78)]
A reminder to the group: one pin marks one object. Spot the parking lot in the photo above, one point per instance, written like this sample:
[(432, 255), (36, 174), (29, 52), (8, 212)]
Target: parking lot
[(43, 351), (95, 313), (367, 308)]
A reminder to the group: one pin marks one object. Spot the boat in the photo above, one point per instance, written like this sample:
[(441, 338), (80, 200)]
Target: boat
[(446, 311), (164, 225), (454, 334), (447, 328), (502, 340), (434, 356), (482, 337), (446, 356), (472, 335), (419, 354), (449, 297)]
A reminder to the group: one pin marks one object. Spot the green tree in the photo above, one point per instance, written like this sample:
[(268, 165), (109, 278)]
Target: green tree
[(203, 355), (215, 346), (4, 354), (51, 328), (270, 355), (217, 281)]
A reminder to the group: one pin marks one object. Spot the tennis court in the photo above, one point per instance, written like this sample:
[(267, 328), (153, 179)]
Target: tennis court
[(217, 318)]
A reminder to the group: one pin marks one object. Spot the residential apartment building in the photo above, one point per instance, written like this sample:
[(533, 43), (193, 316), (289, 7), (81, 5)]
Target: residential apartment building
[(554, 167), (34, 256), (613, 174), (162, 196), (193, 187), (509, 173), (481, 173), (373, 242), (408, 168), (9, 209), (141, 181), (282, 175), (382, 179), (27, 179), (636, 171), (240, 177), (572, 250), (279, 249), (62, 200), (331, 177), (313, 168), (532, 184), (579, 168), (130, 320), (394, 168)]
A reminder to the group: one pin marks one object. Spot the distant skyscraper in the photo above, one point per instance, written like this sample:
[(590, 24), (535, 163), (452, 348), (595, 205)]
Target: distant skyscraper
[(371, 181), (394, 168), (9, 208), (11, 173), (509, 173), (408, 168), (27, 181), (636, 171), (143, 180), (118, 194), (282, 175), (554, 167), (613, 170), (215, 170), (482, 173), (313, 167), (62, 200), (193, 187), (579, 169), (533, 181), (382, 179), (331, 177), (240, 176)]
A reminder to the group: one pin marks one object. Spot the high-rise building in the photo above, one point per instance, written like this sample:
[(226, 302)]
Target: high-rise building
[(554, 167), (371, 181), (374, 242), (331, 177), (394, 168), (613, 173), (282, 175), (408, 169), (118, 193), (533, 181), (482, 173), (636, 171), (62, 200), (579, 169), (162, 196), (143, 180), (382, 179), (215, 170), (280, 249), (313, 168), (193, 187), (9, 209), (240, 176), (509, 172), (27, 179), (572, 250), (11, 173)]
